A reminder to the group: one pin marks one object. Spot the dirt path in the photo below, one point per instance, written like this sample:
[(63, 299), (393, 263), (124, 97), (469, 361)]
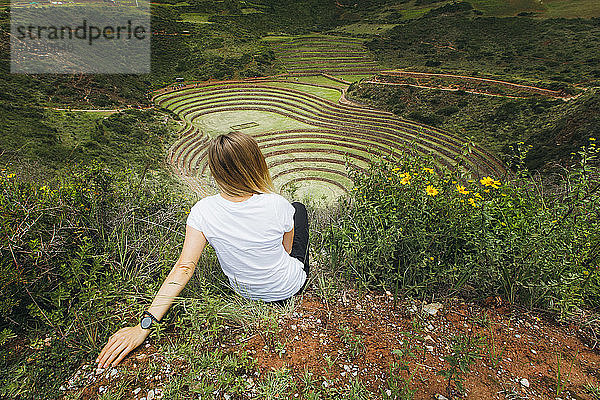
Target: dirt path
[(442, 88), (547, 92)]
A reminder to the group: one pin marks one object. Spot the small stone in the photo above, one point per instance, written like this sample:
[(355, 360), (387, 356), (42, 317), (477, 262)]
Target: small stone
[(62, 387), (147, 345), (388, 392), (524, 382), (429, 348), (433, 308), (136, 391), (533, 351), (293, 327), (150, 394), (101, 389), (518, 336), (440, 397)]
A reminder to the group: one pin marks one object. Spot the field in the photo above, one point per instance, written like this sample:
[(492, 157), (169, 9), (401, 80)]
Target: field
[(307, 135), (315, 54), (498, 8)]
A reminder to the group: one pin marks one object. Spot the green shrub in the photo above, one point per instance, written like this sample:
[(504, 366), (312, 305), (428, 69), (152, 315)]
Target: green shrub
[(410, 231), (80, 256)]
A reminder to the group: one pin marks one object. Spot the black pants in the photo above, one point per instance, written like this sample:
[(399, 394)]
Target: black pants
[(299, 245)]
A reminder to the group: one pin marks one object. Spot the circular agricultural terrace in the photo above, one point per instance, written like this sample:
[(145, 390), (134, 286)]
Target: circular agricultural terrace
[(309, 133)]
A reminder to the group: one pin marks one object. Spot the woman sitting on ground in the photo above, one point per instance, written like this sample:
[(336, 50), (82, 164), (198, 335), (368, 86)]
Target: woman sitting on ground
[(261, 240)]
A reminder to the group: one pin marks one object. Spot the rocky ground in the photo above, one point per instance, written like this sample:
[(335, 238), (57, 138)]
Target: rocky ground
[(429, 350)]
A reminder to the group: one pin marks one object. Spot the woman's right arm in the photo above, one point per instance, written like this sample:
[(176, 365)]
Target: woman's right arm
[(128, 338)]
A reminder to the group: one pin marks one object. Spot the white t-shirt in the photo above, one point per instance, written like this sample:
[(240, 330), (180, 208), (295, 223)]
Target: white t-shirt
[(247, 237)]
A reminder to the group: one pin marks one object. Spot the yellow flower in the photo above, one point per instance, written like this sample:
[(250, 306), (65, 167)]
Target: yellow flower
[(472, 202), (431, 191), (486, 190), (10, 176), (487, 181), (431, 258), (426, 169), (405, 180), (462, 190), (592, 139), (395, 169), (478, 196)]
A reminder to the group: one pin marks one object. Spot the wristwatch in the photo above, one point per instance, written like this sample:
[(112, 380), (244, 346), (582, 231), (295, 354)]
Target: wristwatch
[(147, 319)]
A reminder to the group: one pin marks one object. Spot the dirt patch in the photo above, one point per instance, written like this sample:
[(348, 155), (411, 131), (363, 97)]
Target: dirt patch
[(514, 354), (517, 353)]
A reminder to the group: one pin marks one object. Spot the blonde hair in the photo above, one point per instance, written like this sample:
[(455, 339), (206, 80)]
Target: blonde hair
[(238, 166)]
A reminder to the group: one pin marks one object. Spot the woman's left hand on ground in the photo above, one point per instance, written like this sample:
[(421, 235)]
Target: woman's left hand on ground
[(120, 344)]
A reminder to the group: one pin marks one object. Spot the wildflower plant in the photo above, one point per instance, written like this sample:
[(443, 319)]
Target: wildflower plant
[(412, 231)]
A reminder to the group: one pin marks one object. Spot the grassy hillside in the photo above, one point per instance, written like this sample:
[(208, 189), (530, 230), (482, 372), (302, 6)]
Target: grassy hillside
[(558, 49), (554, 128)]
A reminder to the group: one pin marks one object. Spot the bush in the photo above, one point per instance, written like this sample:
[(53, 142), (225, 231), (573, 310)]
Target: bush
[(76, 254), (412, 231)]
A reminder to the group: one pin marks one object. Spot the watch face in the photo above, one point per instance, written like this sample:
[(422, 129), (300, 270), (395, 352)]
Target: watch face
[(145, 323)]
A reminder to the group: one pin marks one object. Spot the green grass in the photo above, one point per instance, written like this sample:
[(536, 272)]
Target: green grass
[(545, 9), (217, 123), (571, 9), (507, 8), (195, 18), (318, 79), (361, 28), (276, 38), (354, 78), (328, 94)]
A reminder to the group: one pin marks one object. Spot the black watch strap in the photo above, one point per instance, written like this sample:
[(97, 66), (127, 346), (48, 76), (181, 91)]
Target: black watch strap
[(151, 316)]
